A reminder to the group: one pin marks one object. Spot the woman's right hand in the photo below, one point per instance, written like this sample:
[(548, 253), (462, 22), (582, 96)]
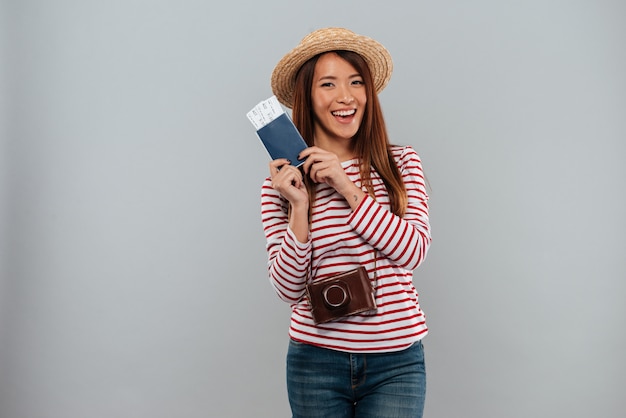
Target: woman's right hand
[(288, 181)]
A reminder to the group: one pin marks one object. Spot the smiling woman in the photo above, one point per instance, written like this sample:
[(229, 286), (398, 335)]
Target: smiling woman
[(357, 202), (339, 98), (133, 277)]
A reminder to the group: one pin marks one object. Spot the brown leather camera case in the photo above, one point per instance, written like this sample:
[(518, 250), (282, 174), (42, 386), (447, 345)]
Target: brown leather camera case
[(341, 295)]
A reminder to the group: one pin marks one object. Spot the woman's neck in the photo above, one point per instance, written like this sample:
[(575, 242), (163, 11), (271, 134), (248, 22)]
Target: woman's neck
[(339, 146)]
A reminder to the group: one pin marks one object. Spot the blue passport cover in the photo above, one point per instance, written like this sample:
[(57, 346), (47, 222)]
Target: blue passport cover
[(282, 140)]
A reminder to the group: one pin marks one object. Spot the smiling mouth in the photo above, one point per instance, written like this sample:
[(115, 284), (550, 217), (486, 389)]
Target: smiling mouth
[(344, 113)]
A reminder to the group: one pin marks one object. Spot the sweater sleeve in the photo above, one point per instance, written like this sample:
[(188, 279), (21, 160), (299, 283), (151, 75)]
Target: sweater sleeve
[(288, 259), (405, 240)]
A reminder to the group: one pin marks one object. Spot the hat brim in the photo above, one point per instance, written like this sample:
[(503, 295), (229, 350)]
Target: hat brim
[(375, 55)]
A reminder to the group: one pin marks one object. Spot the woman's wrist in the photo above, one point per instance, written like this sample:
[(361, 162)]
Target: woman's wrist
[(354, 196)]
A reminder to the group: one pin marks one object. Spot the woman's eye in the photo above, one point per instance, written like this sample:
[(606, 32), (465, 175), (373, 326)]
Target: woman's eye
[(358, 82), (327, 84)]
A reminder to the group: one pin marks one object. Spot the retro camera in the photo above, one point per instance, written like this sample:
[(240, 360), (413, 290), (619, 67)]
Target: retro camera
[(341, 295)]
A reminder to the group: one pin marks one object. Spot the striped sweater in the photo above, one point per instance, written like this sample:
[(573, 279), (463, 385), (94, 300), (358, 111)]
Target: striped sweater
[(341, 239)]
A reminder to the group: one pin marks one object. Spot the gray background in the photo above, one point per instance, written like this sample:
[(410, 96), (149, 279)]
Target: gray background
[(132, 256)]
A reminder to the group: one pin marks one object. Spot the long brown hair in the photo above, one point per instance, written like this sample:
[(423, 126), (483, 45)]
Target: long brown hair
[(371, 142)]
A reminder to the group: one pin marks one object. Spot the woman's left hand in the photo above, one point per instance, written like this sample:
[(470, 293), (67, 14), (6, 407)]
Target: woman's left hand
[(324, 167)]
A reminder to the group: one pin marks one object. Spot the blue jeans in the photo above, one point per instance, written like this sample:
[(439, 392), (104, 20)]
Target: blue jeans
[(333, 384)]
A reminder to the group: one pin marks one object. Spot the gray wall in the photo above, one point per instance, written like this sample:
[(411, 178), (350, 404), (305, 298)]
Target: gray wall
[(133, 258), (3, 173)]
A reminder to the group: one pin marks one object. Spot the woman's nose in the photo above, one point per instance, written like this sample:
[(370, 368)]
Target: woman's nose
[(345, 96)]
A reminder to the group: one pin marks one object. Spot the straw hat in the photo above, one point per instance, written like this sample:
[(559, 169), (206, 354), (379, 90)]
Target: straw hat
[(324, 40)]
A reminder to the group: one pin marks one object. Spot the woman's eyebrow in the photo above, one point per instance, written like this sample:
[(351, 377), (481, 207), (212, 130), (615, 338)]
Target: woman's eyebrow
[(332, 77)]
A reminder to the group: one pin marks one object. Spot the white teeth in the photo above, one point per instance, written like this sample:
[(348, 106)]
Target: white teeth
[(344, 112)]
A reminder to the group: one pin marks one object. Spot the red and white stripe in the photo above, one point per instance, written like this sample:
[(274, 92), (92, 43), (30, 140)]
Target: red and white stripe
[(340, 240)]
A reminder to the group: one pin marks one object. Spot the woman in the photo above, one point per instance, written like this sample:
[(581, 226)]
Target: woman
[(356, 201)]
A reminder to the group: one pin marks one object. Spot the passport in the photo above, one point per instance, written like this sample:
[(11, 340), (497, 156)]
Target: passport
[(282, 140), (277, 132)]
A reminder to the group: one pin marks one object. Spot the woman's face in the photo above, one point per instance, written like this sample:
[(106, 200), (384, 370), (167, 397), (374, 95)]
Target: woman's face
[(339, 99)]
